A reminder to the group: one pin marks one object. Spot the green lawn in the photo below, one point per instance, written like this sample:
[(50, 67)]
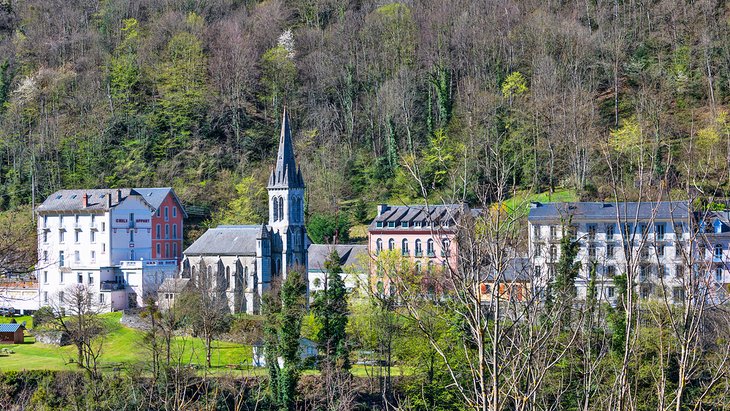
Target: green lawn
[(520, 203), (27, 318), (122, 345)]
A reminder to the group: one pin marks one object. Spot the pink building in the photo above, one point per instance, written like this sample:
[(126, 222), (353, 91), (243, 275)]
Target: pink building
[(167, 222), (425, 234)]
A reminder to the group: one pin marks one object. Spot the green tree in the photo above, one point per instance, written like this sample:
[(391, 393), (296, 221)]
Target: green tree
[(562, 292), (124, 71), (278, 76), (284, 311), (244, 208), (181, 79), (331, 310), (329, 228)]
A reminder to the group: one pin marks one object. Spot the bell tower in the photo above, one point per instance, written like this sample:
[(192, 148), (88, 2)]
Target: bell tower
[(286, 202)]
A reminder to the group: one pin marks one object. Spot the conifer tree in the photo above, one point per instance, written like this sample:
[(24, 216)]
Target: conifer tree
[(331, 311), (282, 332)]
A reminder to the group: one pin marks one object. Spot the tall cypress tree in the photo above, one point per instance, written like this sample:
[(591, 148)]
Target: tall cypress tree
[(282, 332), (331, 311)]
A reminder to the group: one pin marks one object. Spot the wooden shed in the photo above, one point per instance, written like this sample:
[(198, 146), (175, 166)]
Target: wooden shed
[(11, 333)]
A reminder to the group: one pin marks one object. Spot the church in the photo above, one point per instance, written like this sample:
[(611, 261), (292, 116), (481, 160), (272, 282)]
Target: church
[(240, 262)]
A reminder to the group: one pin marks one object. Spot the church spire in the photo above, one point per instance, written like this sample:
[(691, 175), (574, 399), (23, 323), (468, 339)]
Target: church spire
[(285, 173)]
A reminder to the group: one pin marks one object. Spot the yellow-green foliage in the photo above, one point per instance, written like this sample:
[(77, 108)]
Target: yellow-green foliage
[(514, 85), (628, 138)]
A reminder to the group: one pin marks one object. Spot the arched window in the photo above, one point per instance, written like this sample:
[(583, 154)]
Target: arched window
[(429, 247), (391, 244), (378, 246), (404, 246), (276, 208), (419, 249), (281, 208), (718, 251)]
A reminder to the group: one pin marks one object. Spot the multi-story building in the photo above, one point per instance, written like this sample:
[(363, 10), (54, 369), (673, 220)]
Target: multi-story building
[(101, 239), (240, 262), (657, 241), (167, 222), (424, 234)]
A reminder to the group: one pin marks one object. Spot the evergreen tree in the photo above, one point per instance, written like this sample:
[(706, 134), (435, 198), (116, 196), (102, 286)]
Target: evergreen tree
[(331, 311), (282, 331), (562, 291)]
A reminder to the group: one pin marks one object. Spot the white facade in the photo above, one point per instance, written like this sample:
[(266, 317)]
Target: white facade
[(658, 244), (94, 244)]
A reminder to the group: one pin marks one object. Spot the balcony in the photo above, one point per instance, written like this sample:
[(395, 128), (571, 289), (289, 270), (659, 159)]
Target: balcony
[(445, 253), (431, 253), (405, 253), (419, 253), (111, 286)]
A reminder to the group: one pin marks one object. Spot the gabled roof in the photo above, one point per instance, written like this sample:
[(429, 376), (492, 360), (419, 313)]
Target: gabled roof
[(156, 195), (285, 173), (627, 211), (439, 214), (228, 240), (10, 328), (73, 200), (350, 255)]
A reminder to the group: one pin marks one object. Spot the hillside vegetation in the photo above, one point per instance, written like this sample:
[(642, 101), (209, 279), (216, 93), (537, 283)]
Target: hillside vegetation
[(154, 93)]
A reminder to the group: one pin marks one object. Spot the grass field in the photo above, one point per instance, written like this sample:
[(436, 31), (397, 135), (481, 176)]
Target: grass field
[(123, 346), (520, 203)]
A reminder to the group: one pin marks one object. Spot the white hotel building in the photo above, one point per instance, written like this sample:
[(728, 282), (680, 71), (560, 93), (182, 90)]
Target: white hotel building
[(101, 239), (652, 238)]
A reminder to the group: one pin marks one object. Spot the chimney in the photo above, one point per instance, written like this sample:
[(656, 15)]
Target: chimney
[(109, 200), (119, 195), (86, 200), (382, 208)]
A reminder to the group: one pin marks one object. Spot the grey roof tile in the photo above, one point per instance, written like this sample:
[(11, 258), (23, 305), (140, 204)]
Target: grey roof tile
[(354, 255), (586, 211), (73, 200), (228, 240)]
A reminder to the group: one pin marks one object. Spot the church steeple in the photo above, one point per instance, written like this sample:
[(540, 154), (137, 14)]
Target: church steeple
[(285, 173), (286, 205)]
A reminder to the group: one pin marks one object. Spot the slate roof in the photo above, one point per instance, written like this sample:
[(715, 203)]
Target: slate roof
[(156, 195), (419, 213), (285, 173), (350, 255), (228, 240), (663, 210), (10, 328), (72, 200), (173, 285)]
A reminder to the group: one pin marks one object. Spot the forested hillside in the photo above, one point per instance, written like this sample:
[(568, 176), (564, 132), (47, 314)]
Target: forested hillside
[(189, 93)]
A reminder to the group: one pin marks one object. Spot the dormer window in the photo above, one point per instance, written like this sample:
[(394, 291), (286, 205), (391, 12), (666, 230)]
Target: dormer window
[(391, 224), (417, 224), (404, 224), (379, 224)]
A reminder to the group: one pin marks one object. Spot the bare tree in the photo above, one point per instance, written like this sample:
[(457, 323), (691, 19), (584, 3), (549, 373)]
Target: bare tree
[(76, 313)]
